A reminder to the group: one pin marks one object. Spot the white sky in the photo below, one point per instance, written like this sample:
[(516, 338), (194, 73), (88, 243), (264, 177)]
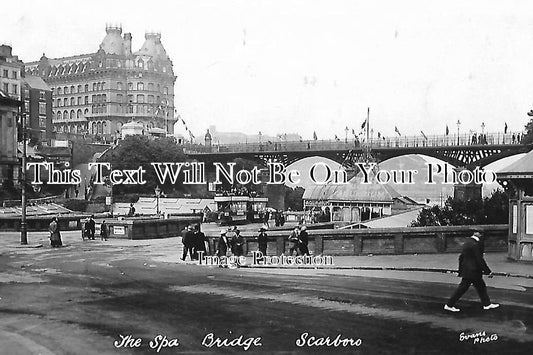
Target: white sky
[(287, 66)]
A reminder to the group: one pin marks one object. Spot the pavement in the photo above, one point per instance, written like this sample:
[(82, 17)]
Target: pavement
[(439, 263), (430, 269)]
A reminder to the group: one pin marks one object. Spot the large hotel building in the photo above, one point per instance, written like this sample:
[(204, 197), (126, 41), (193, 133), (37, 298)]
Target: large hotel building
[(96, 94)]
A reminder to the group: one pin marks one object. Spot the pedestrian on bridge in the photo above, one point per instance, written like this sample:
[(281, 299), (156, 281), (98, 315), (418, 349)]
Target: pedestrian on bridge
[(472, 266)]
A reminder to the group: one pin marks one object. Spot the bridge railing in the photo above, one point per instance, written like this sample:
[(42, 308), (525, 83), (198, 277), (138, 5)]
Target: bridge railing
[(452, 140), (403, 240)]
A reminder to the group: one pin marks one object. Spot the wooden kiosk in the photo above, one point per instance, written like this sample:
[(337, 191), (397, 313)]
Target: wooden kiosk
[(517, 179)]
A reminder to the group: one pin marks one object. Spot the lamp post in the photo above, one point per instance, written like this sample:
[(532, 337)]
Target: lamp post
[(458, 125), (23, 226), (157, 195)]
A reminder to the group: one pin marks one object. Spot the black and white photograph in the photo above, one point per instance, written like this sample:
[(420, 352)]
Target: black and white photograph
[(270, 177)]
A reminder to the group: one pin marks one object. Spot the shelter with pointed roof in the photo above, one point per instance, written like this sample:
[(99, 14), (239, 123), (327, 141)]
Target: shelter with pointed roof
[(517, 179), (354, 201), (95, 94)]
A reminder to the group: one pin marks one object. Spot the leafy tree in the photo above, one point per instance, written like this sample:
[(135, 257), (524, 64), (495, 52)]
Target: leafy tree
[(136, 151), (527, 138), (490, 210), (293, 198)]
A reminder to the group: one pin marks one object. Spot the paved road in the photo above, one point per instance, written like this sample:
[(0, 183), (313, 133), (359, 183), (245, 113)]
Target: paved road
[(80, 300)]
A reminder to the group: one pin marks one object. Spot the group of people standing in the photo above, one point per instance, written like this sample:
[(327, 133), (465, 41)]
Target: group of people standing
[(194, 241), (299, 241), (230, 242), (89, 230)]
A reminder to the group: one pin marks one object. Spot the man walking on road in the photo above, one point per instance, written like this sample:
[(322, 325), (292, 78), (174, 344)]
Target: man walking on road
[(472, 266)]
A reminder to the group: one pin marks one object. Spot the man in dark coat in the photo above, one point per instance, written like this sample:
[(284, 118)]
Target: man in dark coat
[(103, 231), (262, 240), (90, 228), (188, 243), (472, 266), (223, 244), (304, 241), (199, 241)]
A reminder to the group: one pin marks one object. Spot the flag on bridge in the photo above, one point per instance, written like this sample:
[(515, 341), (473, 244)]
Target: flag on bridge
[(505, 128), (363, 125), (447, 130), (379, 134), (353, 131), (314, 136), (337, 138), (397, 131), (426, 138)]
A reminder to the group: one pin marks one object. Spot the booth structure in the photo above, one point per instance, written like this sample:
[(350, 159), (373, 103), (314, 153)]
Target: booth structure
[(518, 181)]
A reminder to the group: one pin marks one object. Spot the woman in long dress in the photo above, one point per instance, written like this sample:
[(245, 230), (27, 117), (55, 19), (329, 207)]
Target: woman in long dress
[(55, 235)]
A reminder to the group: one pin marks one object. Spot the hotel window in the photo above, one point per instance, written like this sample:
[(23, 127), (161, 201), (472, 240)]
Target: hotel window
[(65, 90), (72, 89), (14, 75), (119, 86), (119, 98), (79, 100), (42, 95), (150, 99), (42, 108), (140, 99), (86, 87), (59, 91), (58, 115), (104, 98), (6, 88), (94, 86), (6, 73), (151, 86), (42, 122), (86, 98), (103, 86), (72, 114), (140, 86), (165, 90), (130, 86), (72, 101)]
